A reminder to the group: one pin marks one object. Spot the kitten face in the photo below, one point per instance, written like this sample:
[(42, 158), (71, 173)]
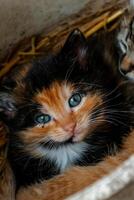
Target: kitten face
[(126, 45), (67, 122)]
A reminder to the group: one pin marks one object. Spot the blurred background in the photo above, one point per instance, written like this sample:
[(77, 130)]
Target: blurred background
[(20, 19)]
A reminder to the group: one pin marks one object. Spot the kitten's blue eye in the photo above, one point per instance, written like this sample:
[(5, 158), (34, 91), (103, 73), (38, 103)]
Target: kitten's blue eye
[(42, 118), (75, 100)]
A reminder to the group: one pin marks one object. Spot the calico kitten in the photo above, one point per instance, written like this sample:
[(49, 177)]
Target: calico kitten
[(66, 110), (77, 178)]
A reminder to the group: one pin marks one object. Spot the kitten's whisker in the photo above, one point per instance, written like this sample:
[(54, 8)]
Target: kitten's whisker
[(27, 162), (113, 115), (70, 69), (112, 98), (103, 120), (109, 111), (118, 122), (117, 87)]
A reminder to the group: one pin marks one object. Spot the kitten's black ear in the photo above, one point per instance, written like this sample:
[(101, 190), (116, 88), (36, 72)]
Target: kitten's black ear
[(76, 47), (7, 106)]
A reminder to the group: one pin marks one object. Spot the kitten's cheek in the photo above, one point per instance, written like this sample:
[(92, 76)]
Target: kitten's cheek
[(125, 64)]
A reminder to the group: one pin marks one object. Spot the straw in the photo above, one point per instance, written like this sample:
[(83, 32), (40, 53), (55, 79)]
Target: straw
[(88, 28)]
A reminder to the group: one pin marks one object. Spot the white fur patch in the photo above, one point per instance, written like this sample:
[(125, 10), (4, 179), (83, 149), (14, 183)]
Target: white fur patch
[(130, 75), (64, 156)]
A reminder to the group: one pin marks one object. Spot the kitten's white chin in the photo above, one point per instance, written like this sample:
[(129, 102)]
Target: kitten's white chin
[(64, 156)]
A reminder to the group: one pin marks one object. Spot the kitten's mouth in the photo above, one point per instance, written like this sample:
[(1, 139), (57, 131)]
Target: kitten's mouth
[(54, 144), (77, 137)]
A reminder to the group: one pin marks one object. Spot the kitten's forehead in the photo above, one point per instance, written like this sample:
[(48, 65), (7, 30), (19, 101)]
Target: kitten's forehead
[(55, 95)]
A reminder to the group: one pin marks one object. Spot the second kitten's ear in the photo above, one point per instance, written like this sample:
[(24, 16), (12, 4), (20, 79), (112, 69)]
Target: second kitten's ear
[(76, 47), (7, 106)]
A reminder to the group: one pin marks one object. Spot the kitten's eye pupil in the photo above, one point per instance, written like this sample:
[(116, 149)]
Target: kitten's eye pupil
[(42, 118), (75, 100)]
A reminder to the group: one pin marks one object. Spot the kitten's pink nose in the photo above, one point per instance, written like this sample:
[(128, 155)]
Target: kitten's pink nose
[(70, 127)]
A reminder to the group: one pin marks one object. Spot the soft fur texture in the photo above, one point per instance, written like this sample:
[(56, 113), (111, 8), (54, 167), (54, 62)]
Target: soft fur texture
[(82, 135), (97, 132), (77, 178)]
